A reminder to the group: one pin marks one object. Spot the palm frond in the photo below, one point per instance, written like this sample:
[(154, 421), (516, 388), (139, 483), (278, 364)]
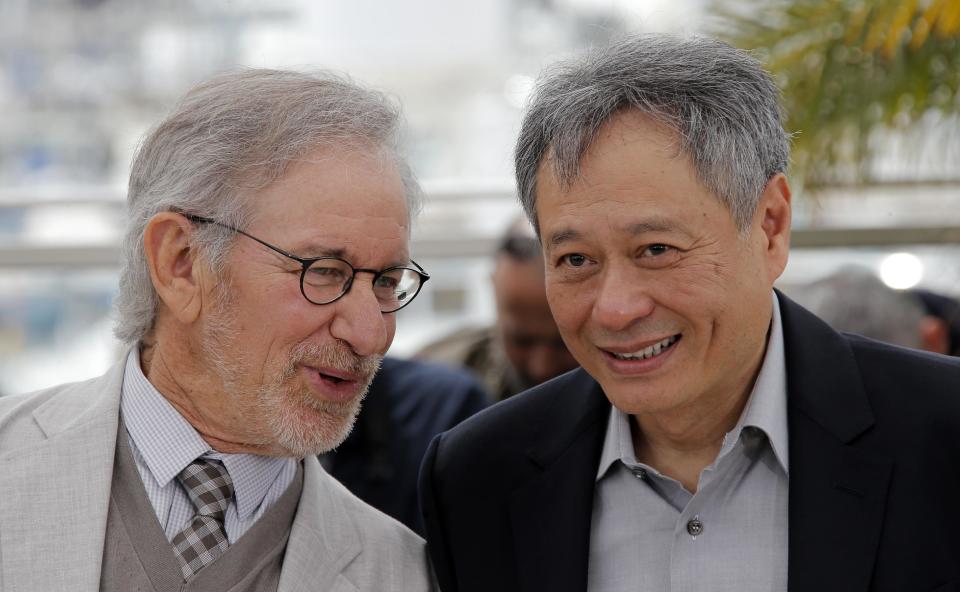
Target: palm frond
[(850, 70)]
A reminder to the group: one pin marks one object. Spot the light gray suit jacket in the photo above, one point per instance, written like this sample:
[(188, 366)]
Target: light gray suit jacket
[(56, 463)]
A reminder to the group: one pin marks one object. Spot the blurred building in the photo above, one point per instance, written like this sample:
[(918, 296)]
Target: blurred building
[(81, 80)]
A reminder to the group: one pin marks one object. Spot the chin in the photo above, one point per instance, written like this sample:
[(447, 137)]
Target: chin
[(639, 399), (310, 427)]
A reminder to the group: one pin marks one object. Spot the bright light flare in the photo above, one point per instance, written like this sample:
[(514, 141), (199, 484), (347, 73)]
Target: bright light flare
[(901, 271)]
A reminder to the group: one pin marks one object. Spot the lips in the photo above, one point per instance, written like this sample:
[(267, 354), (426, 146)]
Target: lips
[(337, 376), (333, 384)]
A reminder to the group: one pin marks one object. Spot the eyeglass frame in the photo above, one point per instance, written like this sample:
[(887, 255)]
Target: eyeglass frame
[(307, 262)]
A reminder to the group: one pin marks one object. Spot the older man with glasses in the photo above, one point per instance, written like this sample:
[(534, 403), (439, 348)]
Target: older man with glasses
[(265, 257)]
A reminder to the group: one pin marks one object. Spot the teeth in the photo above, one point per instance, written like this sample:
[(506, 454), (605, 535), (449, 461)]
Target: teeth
[(649, 352)]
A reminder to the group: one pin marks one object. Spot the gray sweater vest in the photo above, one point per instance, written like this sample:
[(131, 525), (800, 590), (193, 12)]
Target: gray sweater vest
[(138, 557)]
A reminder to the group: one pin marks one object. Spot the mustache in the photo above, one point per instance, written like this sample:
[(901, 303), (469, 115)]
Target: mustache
[(336, 355)]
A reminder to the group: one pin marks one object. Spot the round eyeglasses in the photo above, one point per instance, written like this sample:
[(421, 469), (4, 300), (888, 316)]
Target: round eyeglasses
[(327, 279)]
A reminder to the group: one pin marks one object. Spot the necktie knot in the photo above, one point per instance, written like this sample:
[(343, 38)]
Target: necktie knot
[(209, 487)]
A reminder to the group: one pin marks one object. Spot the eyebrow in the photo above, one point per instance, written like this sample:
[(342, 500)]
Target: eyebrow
[(563, 236), (313, 251), (316, 251), (636, 229)]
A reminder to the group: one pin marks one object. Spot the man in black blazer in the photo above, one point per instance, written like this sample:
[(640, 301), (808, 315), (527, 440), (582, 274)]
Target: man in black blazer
[(718, 437)]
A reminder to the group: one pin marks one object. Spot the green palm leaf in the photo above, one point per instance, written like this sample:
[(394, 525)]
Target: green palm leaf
[(851, 71)]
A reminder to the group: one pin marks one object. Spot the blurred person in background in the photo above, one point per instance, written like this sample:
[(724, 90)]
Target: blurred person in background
[(258, 295), (941, 332), (409, 402), (524, 348), (855, 300), (718, 436)]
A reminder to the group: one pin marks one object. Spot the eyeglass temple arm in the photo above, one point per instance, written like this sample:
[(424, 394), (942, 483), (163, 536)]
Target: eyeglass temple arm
[(203, 220)]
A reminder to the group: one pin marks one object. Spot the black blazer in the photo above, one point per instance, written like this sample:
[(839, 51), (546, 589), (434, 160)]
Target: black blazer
[(409, 402), (874, 434)]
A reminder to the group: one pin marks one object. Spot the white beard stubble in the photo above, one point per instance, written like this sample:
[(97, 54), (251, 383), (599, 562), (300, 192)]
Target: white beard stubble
[(279, 413)]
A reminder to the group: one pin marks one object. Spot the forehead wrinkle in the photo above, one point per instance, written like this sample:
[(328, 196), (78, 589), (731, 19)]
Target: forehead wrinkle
[(654, 225), (633, 229), (313, 250)]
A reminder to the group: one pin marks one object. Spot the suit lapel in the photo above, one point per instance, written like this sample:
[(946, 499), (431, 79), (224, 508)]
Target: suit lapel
[(57, 492), (837, 491), (323, 539), (550, 514), (837, 500)]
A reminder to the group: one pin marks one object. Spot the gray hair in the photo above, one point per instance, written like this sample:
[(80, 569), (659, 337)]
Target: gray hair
[(229, 137), (724, 107), (854, 300)]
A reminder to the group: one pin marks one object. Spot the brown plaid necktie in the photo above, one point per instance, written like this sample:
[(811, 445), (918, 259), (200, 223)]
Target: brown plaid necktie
[(210, 489)]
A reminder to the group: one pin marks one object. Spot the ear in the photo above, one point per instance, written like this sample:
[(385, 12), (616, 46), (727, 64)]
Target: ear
[(500, 261), (934, 335), (171, 260), (773, 217)]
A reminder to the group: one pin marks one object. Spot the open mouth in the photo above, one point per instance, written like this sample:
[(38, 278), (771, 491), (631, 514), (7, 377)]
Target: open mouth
[(650, 351), (329, 378), (331, 384), (332, 376)]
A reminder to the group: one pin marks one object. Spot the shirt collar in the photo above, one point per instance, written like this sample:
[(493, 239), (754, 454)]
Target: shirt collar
[(766, 409), (168, 443), (617, 443)]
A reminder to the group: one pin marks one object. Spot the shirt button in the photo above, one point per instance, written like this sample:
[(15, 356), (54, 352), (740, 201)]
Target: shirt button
[(695, 527), (639, 473)]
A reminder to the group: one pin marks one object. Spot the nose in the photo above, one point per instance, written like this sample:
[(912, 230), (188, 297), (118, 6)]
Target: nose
[(621, 299), (359, 322), (542, 364)]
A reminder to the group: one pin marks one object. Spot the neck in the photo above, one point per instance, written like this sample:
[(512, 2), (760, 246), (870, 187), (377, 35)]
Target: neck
[(682, 449), (681, 442), (197, 395)]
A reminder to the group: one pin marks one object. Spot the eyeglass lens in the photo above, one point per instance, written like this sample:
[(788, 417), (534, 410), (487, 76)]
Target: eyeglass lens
[(327, 279)]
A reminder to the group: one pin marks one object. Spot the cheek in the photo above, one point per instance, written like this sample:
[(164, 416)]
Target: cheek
[(390, 325), (288, 324), (569, 305)]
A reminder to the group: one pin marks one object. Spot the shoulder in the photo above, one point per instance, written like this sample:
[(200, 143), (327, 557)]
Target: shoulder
[(905, 393), (428, 393), (392, 556), (376, 527), (66, 403), (554, 410), (899, 363), (907, 383), (417, 376), (818, 357)]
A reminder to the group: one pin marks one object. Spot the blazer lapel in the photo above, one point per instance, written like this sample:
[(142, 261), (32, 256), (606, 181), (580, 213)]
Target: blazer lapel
[(551, 513), (837, 491), (323, 539), (54, 511)]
